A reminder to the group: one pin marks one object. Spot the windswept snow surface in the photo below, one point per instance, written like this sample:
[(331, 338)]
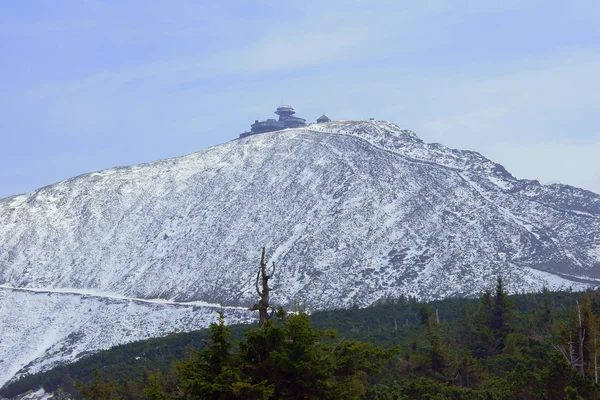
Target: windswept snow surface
[(40, 330), (349, 211)]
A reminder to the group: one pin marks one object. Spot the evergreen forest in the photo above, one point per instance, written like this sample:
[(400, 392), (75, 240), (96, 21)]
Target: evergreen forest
[(525, 346)]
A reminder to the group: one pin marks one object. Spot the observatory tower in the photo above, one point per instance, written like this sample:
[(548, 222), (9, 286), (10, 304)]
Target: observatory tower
[(284, 112), (286, 116), (286, 120)]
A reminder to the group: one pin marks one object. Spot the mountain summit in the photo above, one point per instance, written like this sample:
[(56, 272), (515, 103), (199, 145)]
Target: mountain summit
[(350, 212)]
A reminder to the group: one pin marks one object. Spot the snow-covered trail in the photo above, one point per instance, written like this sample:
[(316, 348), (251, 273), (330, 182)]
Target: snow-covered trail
[(42, 328), (113, 296)]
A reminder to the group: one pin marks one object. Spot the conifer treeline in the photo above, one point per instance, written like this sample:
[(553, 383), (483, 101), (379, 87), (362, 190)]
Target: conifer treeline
[(530, 346)]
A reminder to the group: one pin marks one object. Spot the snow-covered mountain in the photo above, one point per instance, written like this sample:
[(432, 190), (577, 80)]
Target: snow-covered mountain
[(41, 329), (350, 212)]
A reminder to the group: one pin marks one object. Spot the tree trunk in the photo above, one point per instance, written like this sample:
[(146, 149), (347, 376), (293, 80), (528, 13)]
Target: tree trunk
[(581, 337), (595, 357), (263, 304)]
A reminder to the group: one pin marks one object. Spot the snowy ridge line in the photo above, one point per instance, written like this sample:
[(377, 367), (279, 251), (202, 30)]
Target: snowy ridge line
[(405, 156), (455, 169), (390, 151), (92, 293)]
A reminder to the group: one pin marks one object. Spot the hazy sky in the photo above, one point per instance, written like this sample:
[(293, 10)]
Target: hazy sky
[(88, 85)]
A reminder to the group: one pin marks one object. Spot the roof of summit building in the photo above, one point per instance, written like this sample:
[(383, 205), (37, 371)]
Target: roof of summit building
[(292, 118), (285, 110), (286, 120)]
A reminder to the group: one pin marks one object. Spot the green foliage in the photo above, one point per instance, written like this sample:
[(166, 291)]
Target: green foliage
[(213, 373), (492, 323), (501, 317), (98, 389), (495, 347), (131, 362), (285, 359), (571, 394)]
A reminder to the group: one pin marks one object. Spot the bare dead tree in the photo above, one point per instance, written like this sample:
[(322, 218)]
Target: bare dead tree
[(581, 337), (564, 353), (263, 304), (570, 354), (595, 356), (579, 353)]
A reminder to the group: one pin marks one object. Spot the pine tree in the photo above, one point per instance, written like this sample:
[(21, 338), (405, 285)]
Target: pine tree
[(501, 316), (214, 372), (98, 389), (481, 337)]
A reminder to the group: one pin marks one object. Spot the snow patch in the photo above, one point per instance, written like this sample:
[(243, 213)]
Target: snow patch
[(348, 210), (62, 327)]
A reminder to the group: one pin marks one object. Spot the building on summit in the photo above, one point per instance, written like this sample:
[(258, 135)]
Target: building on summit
[(286, 115), (286, 120), (322, 119), (268, 125)]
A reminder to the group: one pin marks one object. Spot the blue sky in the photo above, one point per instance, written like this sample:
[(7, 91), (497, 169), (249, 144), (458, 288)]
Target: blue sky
[(92, 84)]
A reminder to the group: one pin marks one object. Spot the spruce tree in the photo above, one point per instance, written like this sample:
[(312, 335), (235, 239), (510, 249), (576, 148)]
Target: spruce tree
[(501, 315), (215, 372)]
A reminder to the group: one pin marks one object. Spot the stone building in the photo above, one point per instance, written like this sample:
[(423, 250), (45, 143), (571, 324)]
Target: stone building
[(286, 120)]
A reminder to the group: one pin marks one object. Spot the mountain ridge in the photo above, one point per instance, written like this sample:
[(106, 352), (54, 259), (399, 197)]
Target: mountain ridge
[(350, 212), (381, 139)]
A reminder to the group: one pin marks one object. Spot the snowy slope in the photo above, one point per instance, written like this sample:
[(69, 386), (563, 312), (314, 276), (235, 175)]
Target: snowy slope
[(40, 330), (350, 212)]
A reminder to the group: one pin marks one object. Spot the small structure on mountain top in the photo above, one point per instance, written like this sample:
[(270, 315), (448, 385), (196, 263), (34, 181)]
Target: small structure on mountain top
[(322, 119), (286, 115), (286, 120), (269, 125)]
